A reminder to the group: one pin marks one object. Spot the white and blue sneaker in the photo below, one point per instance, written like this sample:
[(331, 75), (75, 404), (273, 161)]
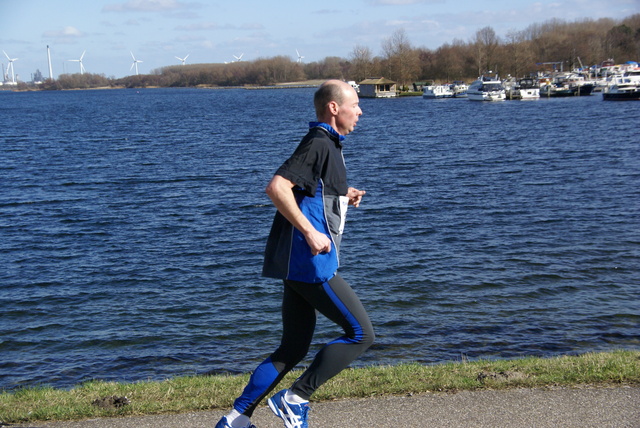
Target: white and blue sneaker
[(223, 423), (293, 415)]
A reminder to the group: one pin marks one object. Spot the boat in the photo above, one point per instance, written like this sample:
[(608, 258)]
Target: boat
[(621, 93), (522, 89), (626, 87), (566, 85), (459, 89), (437, 91), (486, 89)]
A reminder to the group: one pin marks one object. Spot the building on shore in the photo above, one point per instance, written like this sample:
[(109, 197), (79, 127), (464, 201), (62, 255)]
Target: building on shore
[(378, 87)]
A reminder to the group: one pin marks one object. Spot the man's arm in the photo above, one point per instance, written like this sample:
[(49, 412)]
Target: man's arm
[(280, 191)]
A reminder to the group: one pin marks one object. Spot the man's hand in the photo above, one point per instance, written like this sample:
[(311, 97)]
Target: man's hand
[(319, 242), (355, 196), (280, 191)]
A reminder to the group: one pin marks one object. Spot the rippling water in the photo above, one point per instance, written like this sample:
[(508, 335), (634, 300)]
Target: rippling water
[(132, 225)]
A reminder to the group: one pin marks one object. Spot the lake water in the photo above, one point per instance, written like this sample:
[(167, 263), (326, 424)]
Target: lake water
[(132, 226)]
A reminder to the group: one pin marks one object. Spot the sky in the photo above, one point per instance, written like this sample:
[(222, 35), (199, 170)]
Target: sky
[(158, 31)]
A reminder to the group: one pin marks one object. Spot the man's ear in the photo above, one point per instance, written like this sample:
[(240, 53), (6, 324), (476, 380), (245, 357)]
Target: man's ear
[(333, 107)]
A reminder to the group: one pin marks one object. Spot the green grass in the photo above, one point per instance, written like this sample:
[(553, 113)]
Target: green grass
[(183, 394), (409, 94)]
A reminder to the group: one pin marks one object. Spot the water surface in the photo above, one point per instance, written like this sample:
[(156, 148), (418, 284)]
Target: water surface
[(132, 225)]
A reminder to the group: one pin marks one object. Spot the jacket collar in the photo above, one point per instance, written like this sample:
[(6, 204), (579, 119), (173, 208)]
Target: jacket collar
[(327, 128)]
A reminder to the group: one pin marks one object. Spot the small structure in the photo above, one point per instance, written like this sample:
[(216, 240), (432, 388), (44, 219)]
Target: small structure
[(378, 87)]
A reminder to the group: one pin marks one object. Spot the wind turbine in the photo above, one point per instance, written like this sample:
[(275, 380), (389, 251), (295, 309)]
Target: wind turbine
[(300, 57), (238, 58), (13, 74), (183, 60), (135, 63), (82, 70)]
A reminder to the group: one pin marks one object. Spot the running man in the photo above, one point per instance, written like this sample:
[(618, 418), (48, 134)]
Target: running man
[(311, 195)]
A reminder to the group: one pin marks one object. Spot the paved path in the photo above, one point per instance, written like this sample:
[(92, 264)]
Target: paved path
[(517, 408)]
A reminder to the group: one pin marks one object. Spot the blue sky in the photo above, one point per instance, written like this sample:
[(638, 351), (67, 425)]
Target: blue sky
[(158, 31)]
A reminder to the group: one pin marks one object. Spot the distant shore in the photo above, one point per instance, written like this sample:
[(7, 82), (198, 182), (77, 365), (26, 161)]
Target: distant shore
[(287, 85)]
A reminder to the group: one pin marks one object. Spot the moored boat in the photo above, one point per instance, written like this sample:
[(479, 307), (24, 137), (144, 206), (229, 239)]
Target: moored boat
[(437, 91), (459, 89), (615, 93), (626, 87), (523, 89), (486, 89), (566, 85)]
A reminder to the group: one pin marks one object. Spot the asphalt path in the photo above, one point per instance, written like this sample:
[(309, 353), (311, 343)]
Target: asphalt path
[(540, 408)]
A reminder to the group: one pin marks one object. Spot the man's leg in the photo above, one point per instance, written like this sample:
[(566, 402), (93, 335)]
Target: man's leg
[(298, 322), (337, 301)]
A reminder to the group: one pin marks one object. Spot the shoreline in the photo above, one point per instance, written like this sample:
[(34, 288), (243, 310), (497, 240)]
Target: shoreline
[(516, 408), (617, 370), (287, 85)]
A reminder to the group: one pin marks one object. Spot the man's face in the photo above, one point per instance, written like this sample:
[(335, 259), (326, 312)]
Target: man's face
[(348, 112)]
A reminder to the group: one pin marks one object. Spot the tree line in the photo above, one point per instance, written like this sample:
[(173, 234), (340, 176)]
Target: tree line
[(519, 53)]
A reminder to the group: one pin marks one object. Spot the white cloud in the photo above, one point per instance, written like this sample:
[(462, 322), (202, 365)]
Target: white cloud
[(199, 26), (400, 2), (65, 32), (208, 44), (397, 23), (67, 35), (215, 26), (147, 6)]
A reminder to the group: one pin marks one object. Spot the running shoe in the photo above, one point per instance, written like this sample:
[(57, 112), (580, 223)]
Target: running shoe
[(222, 423), (293, 415)]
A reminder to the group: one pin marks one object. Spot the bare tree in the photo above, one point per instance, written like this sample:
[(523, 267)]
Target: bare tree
[(448, 63), (486, 42), (517, 59), (402, 60), (361, 63)]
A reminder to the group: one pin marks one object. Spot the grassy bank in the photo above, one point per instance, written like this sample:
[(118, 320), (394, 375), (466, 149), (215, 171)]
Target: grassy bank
[(184, 394)]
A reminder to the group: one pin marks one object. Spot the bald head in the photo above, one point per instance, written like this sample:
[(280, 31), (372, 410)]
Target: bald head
[(331, 90), (337, 105)]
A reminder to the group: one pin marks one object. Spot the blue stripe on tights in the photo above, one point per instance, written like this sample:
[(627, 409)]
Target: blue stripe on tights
[(261, 379), (357, 328)]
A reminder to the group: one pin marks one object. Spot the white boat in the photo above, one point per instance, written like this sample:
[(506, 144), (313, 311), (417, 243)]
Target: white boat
[(523, 89), (459, 89), (437, 91), (621, 93), (486, 89), (625, 87)]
